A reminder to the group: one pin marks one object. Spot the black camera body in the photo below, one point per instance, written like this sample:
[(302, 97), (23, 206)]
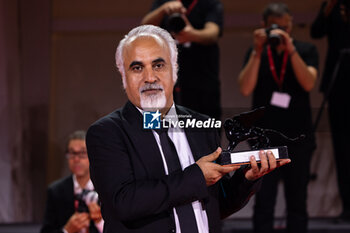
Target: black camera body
[(83, 199), (175, 23), (273, 39)]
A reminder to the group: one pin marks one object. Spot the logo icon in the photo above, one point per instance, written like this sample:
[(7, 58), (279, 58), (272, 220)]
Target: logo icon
[(151, 120)]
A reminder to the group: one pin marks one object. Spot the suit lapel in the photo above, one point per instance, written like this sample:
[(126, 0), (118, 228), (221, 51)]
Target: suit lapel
[(146, 146), (143, 140), (68, 194), (194, 138), (194, 142)]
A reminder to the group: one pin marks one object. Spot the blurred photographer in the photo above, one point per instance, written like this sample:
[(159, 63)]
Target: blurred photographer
[(72, 205), (333, 21), (196, 25), (280, 72)]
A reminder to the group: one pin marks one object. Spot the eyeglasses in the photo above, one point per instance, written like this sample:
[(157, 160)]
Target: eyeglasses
[(79, 154)]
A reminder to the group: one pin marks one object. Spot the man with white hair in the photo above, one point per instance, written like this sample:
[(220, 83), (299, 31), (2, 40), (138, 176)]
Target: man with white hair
[(152, 180)]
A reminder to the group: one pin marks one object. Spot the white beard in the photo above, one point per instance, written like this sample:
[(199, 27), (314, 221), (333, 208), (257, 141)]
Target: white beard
[(153, 102)]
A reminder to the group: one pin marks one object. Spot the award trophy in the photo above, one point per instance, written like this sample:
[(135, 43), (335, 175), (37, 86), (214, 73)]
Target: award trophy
[(240, 128)]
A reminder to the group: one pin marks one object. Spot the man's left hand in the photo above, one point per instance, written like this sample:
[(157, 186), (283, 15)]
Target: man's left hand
[(187, 33), (95, 212), (268, 164)]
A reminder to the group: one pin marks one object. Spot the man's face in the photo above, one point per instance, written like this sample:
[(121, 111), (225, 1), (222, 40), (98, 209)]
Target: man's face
[(284, 22), (148, 73), (78, 161)]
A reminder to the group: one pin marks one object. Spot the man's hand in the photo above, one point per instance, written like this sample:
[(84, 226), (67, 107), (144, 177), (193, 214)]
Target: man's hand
[(268, 164), (187, 34), (287, 41), (214, 172), (260, 38), (77, 222), (95, 212), (173, 7), (208, 35), (306, 75), (156, 16)]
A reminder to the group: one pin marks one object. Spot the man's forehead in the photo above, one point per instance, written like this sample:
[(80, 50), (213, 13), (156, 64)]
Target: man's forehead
[(140, 47)]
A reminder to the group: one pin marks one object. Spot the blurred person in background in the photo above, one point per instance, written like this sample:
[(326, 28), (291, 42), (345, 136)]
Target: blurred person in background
[(72, 205), (333, 21), (280, 72), (196, 25)]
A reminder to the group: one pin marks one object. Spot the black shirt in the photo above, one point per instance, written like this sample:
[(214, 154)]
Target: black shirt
[(199, 64), (296, 119), (337, 31)]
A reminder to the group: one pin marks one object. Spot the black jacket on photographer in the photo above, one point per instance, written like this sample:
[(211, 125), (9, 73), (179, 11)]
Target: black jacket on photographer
[(338, 37), (198, 77), (60, 206), (296, 119), (336, 27)]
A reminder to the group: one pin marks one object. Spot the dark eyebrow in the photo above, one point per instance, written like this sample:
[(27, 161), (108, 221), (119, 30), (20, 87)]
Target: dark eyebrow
[(158, 60), (134, 63)]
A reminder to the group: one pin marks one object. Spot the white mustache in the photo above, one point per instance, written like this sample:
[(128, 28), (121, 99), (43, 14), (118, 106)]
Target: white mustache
[(150, 86)]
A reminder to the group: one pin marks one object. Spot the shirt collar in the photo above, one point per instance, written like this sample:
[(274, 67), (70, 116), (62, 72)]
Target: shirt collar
[(78, 189), (171, 115)]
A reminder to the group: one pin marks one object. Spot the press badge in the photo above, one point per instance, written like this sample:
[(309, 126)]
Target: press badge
[(280, 99)]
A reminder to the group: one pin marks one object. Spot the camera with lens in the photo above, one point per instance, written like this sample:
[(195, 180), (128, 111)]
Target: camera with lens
[(175, 23), (273, 39), (83, 199)]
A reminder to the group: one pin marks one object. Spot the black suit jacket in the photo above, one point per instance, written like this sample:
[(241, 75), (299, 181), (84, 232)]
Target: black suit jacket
[(127, 171), (60, 206)]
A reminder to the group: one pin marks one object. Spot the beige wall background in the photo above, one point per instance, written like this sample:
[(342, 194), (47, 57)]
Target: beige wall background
[(83, 84)]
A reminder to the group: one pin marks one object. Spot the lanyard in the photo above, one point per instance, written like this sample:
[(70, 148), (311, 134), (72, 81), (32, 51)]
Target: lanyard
[(279, 81), (191, 6)]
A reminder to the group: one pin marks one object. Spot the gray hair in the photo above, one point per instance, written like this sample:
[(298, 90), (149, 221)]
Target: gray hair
[(76, 135), (149, 31), (277, 9)]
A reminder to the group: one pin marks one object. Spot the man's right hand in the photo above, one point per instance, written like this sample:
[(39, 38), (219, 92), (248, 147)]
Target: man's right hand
[(173, 7), (260, 38), (213, 172), (77, 222)]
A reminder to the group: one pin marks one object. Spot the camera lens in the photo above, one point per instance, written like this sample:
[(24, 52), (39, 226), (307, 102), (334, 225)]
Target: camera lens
[(175, 23), (274, 40)]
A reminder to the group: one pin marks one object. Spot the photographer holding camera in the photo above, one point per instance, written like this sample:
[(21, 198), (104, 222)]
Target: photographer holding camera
[(333, 22), (196, 25), (280, 72), (72, 204)]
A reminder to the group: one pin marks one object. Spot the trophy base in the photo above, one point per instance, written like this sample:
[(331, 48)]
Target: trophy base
[(242, 157)]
